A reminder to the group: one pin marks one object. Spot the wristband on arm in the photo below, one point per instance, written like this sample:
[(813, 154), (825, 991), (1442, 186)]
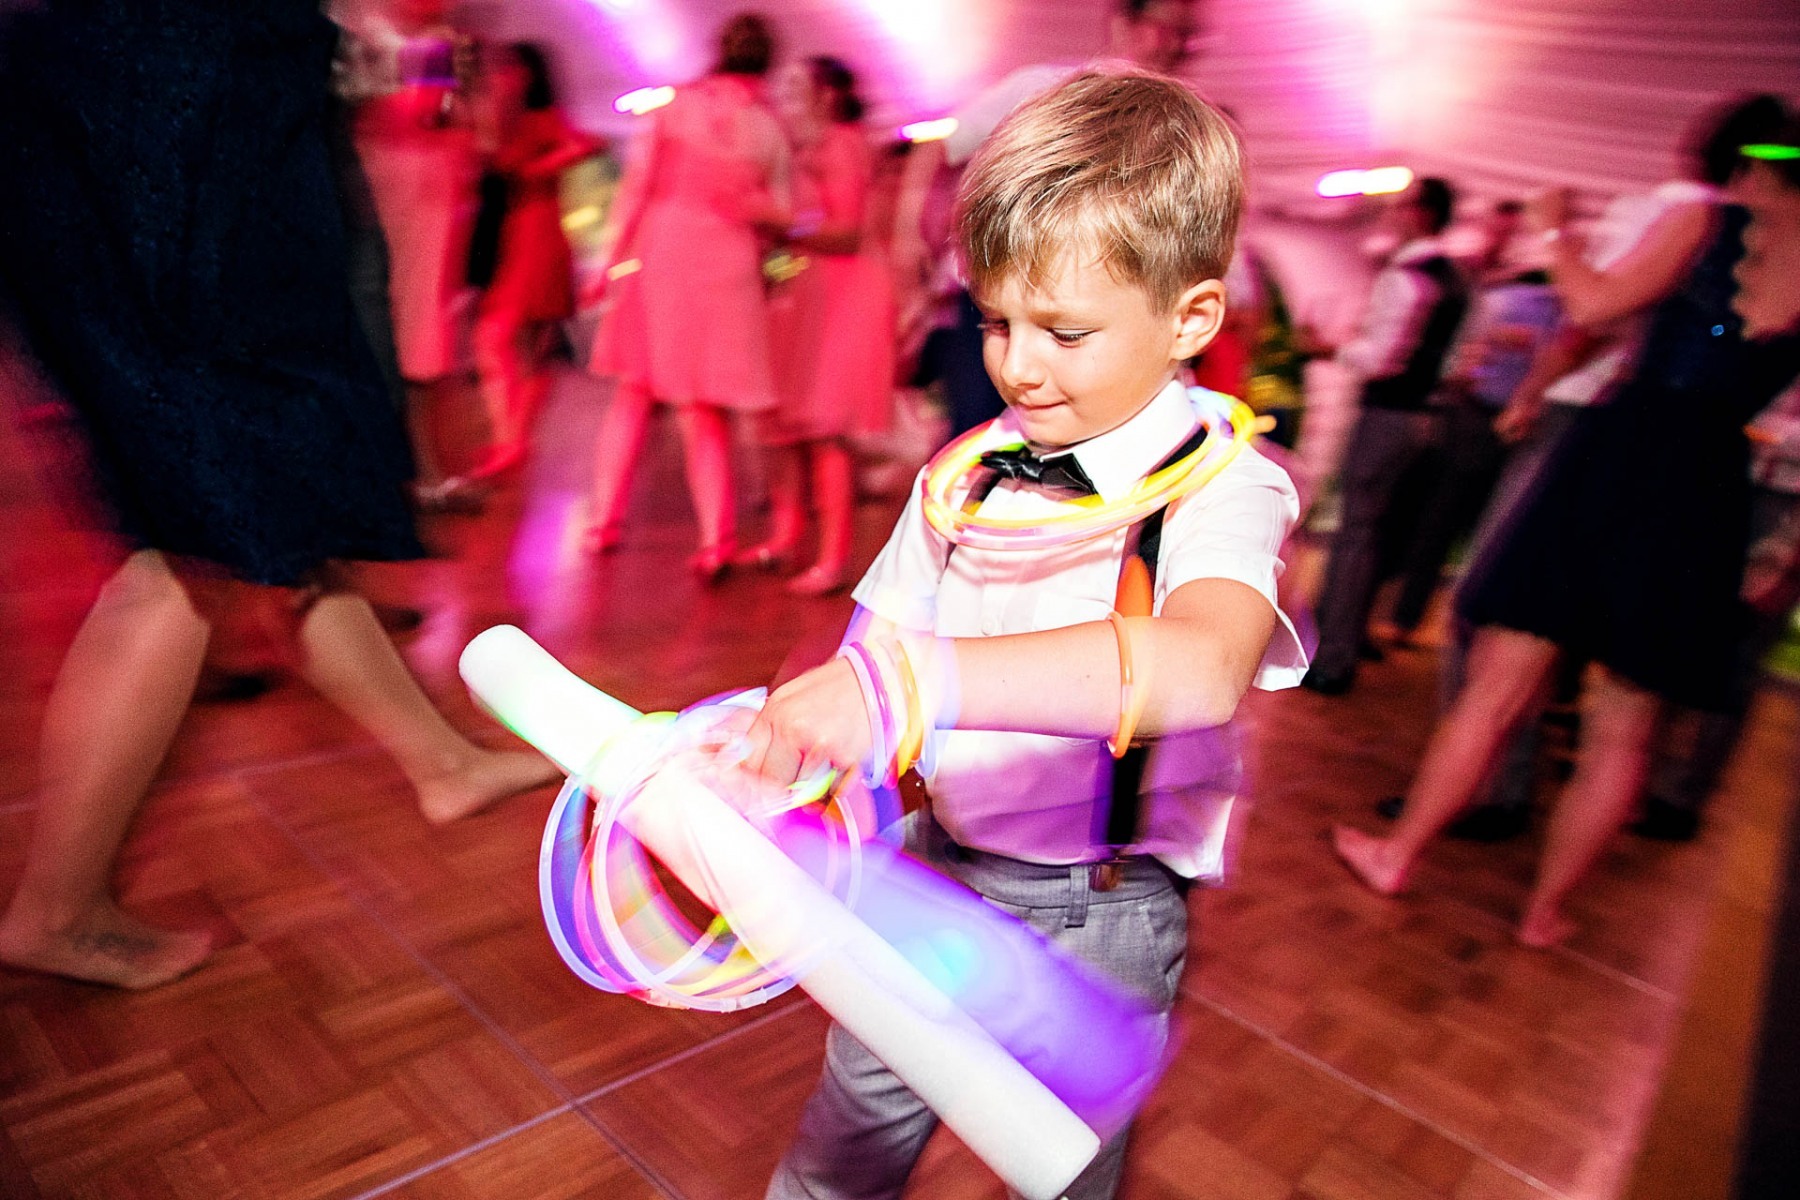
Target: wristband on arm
[(908, 688)]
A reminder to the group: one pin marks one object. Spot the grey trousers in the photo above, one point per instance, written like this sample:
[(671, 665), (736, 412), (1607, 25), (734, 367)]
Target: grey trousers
[(1688, 779), (1383, 446), (862, 1131)]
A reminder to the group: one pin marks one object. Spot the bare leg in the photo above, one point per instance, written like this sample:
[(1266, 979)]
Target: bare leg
[(534, 380), (617, 451), (117, 702), (345, 654), (1617, 728), (422, 401), (786, 513), (1507, 670), (435, 490), (706, 439), (834, 498), (502, 370)]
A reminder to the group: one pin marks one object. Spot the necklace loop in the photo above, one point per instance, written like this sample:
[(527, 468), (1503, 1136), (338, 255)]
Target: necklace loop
[(1088, 516)]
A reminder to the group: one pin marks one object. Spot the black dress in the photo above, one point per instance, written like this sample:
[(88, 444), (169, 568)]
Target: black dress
[(1631, 551), (172, 250)]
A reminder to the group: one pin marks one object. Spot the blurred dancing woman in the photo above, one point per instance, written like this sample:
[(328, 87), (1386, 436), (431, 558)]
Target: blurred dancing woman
[(833, 332), (530, 146), (173, 251), (686, 322), (1629, 554), (419, 155)]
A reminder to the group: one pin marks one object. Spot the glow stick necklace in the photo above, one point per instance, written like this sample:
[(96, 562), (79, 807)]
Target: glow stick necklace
[(1088, 516)]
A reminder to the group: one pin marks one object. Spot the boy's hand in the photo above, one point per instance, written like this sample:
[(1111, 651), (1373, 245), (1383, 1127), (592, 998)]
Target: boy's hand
[(816, 719)]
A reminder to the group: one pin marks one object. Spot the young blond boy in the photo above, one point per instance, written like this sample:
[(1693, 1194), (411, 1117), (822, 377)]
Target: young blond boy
[(1095, 225)]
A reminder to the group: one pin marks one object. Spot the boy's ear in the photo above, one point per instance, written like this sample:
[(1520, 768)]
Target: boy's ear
[(1199, 315)]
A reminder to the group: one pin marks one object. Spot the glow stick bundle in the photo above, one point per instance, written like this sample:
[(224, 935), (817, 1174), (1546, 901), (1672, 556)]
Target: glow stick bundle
[(1029, 1055)]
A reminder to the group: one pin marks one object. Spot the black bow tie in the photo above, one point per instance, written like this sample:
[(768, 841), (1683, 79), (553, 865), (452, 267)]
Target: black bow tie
[(1061, 471)]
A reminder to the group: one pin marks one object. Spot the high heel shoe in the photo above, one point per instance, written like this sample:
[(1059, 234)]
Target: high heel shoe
[(765, 556), (600, 540), (818, 580), (710, 564)]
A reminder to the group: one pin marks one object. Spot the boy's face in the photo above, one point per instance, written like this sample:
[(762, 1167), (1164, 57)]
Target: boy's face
[(1081, 353)]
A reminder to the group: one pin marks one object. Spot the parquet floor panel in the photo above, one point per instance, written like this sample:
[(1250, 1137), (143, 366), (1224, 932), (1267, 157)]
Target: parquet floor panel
[(386, 1016), (560, 1158)]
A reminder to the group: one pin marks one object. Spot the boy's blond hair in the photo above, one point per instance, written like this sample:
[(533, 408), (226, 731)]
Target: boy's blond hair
[(1122, 166)]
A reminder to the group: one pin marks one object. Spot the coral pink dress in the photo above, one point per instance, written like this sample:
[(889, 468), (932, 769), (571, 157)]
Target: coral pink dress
[(833, 323), (534, 278), (691, 325)]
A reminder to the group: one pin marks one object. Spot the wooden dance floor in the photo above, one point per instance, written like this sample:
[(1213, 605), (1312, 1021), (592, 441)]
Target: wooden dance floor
[(387, 1016)]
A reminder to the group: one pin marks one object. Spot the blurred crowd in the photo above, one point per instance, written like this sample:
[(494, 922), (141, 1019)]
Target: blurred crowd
[(1604, 420)]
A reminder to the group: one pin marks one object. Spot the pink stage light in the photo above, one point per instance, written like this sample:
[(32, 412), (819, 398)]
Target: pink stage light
[(1334, 184), (639, 101), (653, 37), (936, 50), (1385, 181), (929, 131), (1376, 181)]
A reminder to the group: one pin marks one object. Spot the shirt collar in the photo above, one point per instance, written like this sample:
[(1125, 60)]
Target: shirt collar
[(1117, 459)]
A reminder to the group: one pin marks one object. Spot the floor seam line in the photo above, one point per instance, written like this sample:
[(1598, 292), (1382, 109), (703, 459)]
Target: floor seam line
[(681, 1056), (468, 1151)]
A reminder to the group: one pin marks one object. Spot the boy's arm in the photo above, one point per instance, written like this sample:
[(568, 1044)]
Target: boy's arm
[(1195, 661), (1198, 659)]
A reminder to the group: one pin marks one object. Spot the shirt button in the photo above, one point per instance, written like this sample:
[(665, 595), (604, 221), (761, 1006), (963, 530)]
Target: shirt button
[(990, 626)]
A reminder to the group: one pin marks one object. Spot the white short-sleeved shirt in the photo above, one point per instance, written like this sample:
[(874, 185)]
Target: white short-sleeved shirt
[(1400, 304), (1033, 796)]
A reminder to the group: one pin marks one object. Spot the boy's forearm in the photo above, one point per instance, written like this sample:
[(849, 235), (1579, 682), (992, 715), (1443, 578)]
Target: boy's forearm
[(1066, 682)]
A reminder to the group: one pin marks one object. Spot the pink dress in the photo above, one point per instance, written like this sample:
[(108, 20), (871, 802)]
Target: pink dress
[(833, 323), (422, 172), (691, 325), (534, 279)]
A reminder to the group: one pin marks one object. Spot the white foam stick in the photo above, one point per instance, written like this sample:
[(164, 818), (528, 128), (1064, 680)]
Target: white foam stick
[(540, 699), (1000, 1110)]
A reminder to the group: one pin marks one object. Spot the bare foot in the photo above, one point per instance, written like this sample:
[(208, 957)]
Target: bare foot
[(819, 579), (1542, 928), (1370, 859), (106, 946), (488, 779)]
